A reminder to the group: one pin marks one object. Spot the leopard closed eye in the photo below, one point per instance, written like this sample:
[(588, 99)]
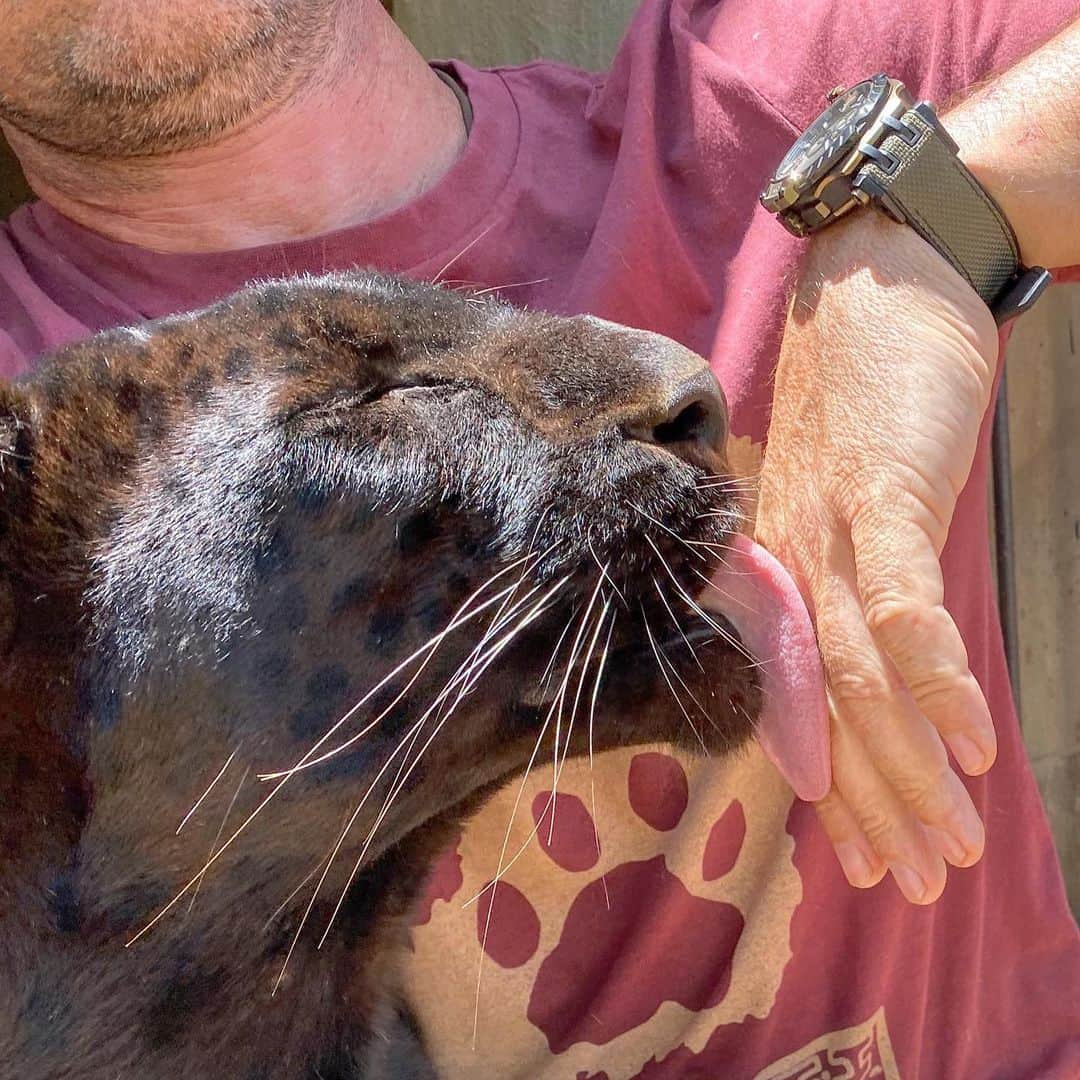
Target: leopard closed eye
[(288, 587)]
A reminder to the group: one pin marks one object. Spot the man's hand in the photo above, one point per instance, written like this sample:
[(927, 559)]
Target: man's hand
[(885, 374)]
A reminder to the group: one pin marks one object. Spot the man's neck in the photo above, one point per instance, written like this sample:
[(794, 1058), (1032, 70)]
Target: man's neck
[(342, 150)]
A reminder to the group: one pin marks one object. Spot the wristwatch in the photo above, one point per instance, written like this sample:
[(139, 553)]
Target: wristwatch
[(875, 146)]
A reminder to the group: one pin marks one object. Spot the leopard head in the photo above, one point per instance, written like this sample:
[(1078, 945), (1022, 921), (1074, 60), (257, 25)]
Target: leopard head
[(378, 543)]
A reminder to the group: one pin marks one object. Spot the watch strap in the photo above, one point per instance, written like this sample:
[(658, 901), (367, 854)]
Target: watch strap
[(916, 175)]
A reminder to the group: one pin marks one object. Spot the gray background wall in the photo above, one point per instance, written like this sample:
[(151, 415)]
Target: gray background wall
[(489, 32), (1044, 423), (1044, 366)]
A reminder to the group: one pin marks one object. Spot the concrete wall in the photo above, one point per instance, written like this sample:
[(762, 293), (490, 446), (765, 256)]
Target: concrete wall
[(1044, 365)]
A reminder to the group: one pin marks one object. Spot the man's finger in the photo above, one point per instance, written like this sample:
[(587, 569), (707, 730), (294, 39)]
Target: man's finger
[(881, 816), (904, 748), (902, 591), (862, 865)]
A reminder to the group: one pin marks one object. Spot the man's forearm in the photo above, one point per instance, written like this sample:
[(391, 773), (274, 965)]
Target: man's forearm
[(1020, 135)]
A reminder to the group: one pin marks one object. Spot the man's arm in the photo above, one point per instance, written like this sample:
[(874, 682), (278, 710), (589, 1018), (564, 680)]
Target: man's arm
[(1020, 135), (885, 374)]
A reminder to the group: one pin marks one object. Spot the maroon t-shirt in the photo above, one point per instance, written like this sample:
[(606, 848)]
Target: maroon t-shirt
[(712, 934)]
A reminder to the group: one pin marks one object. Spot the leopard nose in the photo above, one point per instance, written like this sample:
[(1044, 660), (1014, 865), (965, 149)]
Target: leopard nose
[(686, 411)]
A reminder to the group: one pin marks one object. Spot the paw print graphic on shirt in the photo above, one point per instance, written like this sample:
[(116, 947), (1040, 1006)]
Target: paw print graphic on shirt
[(613, 938), (627, 931)]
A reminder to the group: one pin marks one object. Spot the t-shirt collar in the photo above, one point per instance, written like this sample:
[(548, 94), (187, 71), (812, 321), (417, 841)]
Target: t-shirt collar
[(419, 237)]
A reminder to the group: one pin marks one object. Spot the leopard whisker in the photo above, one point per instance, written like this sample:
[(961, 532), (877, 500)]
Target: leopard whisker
[(559, 765), (512, 285), (504, 866), (722, 513), (728, 477), (545, 678), (221, 829), (682, 682), (592, 777), (536, 750), (693, 604), (670, 686), (746, 477), (337, 847), (498, 621), (723, 592), (678, 625), (599, 626), (734, 642), (455, 623), (528, 768), (542, 606), (513, 814), (730, 483), (604, 569), (574, 708), (458, 620), (538, 609), (601, 619), (463, 252), (213, 783), (725, 565), (721, 631), (406, 743), (469, 677), (574, 651), (711, 546), (717, 546), (742, 709), (288, 899), (671, 532)]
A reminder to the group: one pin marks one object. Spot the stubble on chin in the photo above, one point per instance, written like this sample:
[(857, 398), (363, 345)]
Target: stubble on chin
[(115, 86)]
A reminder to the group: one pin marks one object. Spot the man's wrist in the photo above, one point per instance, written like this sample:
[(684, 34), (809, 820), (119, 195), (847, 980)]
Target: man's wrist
[(1030, 218), (894, 267), (1020, 137)]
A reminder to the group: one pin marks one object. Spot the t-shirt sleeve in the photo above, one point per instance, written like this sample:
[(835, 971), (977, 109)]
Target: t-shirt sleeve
[(791, 53)]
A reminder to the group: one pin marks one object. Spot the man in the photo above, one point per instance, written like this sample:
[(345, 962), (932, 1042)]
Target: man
[(180, 149)]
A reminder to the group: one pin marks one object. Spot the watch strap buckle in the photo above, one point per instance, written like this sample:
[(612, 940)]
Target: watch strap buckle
[(1020, 293)]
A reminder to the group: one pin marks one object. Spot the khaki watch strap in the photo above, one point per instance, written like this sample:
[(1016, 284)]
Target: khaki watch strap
[(918, 178)]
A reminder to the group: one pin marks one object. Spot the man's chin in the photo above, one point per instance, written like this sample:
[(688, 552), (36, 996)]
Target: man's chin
[(135, 78)]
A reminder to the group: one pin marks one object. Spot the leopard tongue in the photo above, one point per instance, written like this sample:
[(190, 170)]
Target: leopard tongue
[(757, 595)]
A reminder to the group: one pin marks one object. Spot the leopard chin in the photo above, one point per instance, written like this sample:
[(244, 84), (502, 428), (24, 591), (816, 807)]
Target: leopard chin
[(290, 586)]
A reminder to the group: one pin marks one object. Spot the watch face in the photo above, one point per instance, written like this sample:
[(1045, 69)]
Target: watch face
[(832, 134)]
